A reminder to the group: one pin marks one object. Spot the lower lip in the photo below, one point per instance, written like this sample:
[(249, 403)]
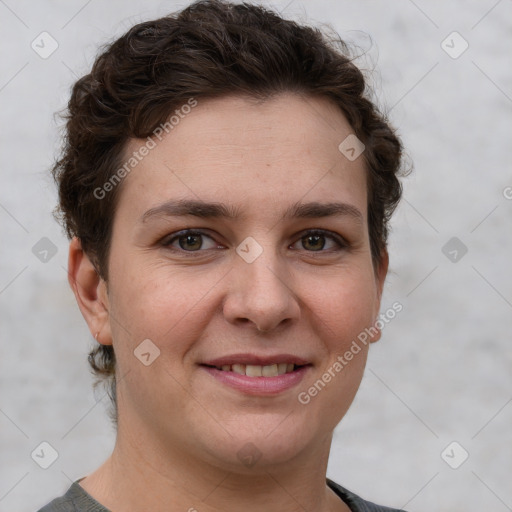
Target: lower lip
[(259, 385)]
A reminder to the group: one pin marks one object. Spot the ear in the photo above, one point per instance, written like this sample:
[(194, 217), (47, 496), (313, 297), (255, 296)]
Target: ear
[(380, 277), (90, 292)]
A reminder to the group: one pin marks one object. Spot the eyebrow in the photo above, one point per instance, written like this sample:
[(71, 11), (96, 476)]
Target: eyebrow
[(204, 210)]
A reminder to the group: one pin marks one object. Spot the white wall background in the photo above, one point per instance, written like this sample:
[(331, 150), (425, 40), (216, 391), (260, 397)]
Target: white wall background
[(443, 370)]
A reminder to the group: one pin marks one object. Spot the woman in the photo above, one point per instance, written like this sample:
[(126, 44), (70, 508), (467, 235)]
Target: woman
[(226, 187)]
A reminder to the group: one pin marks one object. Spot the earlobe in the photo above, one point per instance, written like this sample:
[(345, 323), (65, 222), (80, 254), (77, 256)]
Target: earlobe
[(381, 272), (90, 292), (380, 277), (375, 337)]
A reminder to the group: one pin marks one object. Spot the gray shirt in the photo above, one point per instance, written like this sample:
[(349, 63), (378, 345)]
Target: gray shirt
[(77, 499)]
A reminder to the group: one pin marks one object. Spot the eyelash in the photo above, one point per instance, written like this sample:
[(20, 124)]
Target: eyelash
[(342, 244)]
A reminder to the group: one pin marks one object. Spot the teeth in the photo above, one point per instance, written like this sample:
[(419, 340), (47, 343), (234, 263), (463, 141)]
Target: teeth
[(254, 370), (239, 368), (269, 371)]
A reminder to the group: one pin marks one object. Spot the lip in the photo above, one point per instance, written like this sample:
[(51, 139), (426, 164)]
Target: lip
[(258, 386), (258, 360)]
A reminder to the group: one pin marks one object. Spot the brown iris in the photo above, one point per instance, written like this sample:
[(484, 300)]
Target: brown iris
[(315, 242), (190, 242)]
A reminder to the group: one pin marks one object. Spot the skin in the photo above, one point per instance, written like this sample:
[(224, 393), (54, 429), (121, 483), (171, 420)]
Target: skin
[(180, 429)]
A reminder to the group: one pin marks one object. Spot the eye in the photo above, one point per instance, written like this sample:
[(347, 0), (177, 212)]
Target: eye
[(321, 241), (190, 241), (312, 241)]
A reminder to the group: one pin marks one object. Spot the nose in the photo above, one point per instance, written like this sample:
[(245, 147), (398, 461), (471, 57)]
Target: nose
[(261, 294)]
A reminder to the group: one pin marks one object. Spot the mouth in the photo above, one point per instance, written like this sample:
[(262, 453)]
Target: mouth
[(254, 370), (258, 375)]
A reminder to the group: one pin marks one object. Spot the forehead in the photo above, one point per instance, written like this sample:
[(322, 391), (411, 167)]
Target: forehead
[(255, 155)]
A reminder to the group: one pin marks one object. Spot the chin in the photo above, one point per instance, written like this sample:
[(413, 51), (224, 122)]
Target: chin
[(257, 445)]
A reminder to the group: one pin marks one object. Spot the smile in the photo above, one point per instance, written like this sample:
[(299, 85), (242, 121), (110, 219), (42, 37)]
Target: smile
[(258, 374), (253, 370)]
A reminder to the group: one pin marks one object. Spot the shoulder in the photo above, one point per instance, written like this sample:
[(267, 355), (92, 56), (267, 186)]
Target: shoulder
[(356, 503), (76, 499), (62, 504)]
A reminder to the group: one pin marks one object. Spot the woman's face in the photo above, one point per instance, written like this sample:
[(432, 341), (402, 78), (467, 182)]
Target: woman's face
[(241, 238)]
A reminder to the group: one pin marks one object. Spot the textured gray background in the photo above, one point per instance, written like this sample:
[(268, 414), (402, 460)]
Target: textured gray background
[(442, 371)]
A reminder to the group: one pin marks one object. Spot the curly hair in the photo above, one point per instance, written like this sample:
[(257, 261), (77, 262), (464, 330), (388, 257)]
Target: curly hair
[(210, 49)]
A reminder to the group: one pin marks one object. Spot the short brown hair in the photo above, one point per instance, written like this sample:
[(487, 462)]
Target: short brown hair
[(210, 49)]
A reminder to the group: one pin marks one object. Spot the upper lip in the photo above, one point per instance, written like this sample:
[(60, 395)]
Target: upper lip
[(254, 359)]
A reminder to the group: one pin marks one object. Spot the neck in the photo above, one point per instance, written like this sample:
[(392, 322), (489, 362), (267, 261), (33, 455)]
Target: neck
[(140, 476)]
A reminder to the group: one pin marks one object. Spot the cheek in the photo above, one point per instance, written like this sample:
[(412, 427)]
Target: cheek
[(342, 309), (343, 305), (345, 308), (172, 312), (169, 308)]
